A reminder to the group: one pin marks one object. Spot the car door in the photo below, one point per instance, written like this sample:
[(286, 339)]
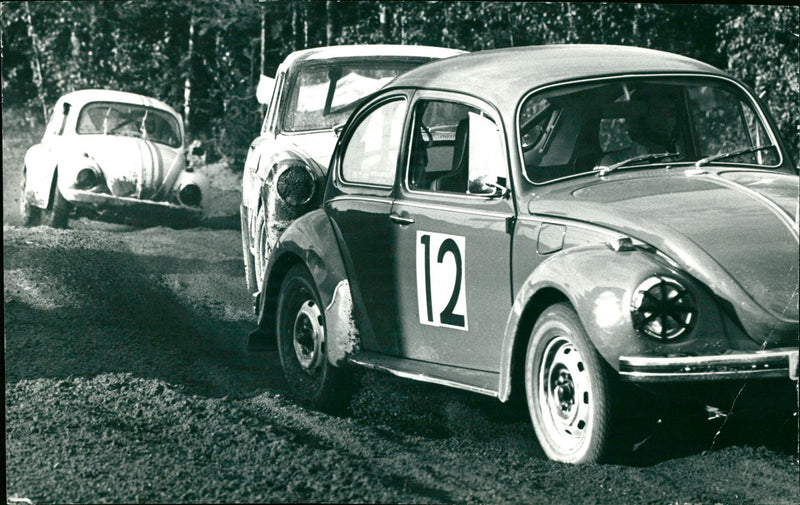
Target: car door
[(452, 251), (358, 202)]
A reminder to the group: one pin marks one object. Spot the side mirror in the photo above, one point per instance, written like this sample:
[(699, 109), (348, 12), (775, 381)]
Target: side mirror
[(484, 186), (264, 90)]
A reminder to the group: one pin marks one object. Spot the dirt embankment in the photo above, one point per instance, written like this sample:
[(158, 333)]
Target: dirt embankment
[(127, 381)]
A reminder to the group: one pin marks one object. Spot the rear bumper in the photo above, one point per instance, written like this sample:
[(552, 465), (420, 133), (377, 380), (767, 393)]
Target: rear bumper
[(123, 204), (772, 364)]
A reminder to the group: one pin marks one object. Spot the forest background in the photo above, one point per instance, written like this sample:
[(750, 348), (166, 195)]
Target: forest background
[(205, 57)]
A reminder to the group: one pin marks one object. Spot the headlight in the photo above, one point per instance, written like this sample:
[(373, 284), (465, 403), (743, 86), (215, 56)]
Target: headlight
[(295, 184), (190, 195), (86, 179), (662, 308)]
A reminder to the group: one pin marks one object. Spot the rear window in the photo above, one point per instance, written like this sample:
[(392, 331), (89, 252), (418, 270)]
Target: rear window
[(127, 120)]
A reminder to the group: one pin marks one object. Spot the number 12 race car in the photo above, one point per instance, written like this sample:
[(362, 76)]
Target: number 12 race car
[(550, 221)]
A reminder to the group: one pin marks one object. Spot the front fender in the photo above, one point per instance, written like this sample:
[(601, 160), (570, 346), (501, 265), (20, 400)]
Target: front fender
[(266, 162), (310, 240), (40, 166), (201, 181), (599, 283)]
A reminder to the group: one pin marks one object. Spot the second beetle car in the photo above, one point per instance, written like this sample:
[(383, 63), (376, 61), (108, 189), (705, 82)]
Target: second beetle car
[(313, 94), (548, 220), (111, 151)]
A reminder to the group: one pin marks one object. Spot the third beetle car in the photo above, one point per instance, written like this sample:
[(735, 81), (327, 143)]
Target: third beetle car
[(111, 151), (549, 220)]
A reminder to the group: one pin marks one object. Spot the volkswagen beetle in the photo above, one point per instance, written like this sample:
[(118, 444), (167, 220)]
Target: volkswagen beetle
[(552, 221), (313, 93), (111, 151)]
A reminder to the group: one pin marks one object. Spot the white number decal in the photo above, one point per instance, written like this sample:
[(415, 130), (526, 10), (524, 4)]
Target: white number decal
[(441, 293)]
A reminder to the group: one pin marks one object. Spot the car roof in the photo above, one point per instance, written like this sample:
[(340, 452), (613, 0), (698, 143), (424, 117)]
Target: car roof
[(84, 96), (369, 50), (503, 76)]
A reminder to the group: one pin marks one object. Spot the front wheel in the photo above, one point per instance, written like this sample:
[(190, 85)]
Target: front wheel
[(31, 214), (261, 248), (58, 214), (302, 346), (568, 389), (247, 256)]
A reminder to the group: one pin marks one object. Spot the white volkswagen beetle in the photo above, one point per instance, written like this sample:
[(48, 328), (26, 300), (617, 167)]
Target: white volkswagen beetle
[(111, 151), (312, 95)]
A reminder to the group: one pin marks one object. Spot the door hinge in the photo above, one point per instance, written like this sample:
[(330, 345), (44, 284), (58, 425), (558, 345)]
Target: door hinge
[(510, 221)]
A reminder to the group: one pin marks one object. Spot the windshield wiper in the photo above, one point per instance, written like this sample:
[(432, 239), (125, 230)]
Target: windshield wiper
[(602, 170), (744, 150)]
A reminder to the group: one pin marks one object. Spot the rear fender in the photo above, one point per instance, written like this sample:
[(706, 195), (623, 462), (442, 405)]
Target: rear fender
[(278, 213), (40, 167), (310, 240), (185, 178), (599, 282)]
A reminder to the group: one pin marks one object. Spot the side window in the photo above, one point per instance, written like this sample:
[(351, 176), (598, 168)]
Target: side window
[(370, 156), (454, 148)]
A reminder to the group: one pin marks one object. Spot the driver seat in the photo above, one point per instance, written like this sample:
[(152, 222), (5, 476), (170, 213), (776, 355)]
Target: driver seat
[(456, 179)]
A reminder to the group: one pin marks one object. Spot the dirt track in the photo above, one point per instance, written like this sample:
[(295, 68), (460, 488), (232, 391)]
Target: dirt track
[(126, 380)]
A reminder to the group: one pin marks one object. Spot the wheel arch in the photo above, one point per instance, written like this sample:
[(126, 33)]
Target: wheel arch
[(309, 241), (515, 344), (598, 283)]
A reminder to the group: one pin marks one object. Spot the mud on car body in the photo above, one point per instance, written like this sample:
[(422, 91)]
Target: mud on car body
[(313, 93), (111, 151), (551, 221)]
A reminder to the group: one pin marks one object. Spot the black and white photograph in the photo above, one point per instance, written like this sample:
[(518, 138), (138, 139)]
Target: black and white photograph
[(351, 251)]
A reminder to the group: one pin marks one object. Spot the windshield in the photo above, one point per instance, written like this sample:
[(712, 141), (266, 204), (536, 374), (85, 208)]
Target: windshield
[(322, 96), (126, 120), (581, 128)]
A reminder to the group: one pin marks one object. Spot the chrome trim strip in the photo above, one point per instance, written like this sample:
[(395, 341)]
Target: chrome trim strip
[(422, 378), (544, 218), (762, 364), (374, 199), (453, 209)]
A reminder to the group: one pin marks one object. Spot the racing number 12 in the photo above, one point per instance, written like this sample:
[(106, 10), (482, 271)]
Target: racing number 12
[(440, 283)]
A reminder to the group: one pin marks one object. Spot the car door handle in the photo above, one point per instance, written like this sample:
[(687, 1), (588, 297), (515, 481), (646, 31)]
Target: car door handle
[(401, 220)]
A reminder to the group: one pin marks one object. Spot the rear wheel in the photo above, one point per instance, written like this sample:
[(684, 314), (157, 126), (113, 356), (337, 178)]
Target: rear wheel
[(249, 261), (568, 389), (302, 346), (261, 253), (31, 215), (58, 213)]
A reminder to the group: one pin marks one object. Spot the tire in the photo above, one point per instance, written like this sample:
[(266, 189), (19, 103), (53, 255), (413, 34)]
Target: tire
[(58, 213), (31, 215), (261, 248), (301, 346), (568, 388), (249, 261)]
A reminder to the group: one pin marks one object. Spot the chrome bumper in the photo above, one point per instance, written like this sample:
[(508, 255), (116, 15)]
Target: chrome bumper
[(103, 201), (772, 364)]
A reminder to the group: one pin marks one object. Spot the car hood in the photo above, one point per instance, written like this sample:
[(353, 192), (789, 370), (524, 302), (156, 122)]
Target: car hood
[(736, 230), (132, 166)]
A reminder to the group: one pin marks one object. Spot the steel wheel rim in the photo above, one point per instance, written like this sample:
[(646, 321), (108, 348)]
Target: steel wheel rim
[(564, 394), (307, 336)]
